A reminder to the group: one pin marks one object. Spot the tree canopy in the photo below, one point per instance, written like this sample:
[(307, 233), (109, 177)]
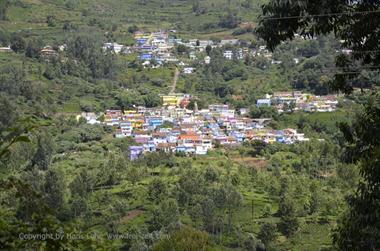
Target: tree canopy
[(354, 22)]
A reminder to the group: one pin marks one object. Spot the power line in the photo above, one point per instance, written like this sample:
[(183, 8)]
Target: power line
[(354, 68), (360, 52), (340, 70), (322, 15), (343, 73)]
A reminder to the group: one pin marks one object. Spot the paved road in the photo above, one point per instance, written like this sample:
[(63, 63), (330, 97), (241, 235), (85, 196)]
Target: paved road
[(176, 76)]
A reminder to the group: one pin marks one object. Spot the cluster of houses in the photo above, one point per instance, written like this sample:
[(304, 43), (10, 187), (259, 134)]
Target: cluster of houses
[(158, 47), (175, 129), (298, 101)]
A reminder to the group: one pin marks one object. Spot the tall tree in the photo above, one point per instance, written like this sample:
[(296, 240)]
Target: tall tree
[(82, 184), (360, 227), (33, 48), (165, 214), (45, 149), (267, 233), (3, 9), (156, 190), (288, 219), (185, 238), (18, 43), (8, 112), (233, 201), (354, 22), (54, 189)]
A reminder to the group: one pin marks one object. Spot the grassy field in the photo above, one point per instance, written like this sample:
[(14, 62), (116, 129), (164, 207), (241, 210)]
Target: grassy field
[(100, 16), (97, 16)]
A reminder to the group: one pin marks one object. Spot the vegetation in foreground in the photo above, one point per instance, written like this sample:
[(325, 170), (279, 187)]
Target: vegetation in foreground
[(63, 176)]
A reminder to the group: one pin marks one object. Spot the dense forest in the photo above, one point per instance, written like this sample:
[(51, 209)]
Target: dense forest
[(70, 185)]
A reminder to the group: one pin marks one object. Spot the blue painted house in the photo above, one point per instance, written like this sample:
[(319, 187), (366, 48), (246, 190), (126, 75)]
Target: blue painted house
[(136, 152), (146, 57), (141, 40), (150, 146), (154, 122), (263, 102)]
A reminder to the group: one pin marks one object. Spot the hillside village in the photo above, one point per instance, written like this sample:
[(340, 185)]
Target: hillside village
[(189, 125), (158, 47), (173, 128), (298, 101)]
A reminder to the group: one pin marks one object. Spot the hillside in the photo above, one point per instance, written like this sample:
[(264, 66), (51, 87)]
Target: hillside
[(99, 16), (196, 138)]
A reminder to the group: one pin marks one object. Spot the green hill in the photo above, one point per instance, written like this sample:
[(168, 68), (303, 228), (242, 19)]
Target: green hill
[(99, 16)]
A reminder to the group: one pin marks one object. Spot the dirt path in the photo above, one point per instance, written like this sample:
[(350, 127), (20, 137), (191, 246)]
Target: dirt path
[(132, 214), (176, 76)]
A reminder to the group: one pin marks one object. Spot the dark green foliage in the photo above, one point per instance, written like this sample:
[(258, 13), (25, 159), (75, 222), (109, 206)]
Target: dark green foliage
[(43, 221), (165, 214), (45, 150), (359, 228), (186, 238), (289, 223), (230, 21), (156, 190), (312, 19), (211, 174), (18, 43), (126, 100), (256, 147), (263, 112), (83, 133), (133, 28), (198, 9), (78, 206), (82, 184), (8, 113), (50, 20), (89, 51), (181, 49), (52, 70), (267, 233), (208, 49), (152, 100), (69, 26), (54, 189), (14, 83), (33, 48), (4, 5), (133, 175), (110, 194), (156, 159), (108, 175), (4, 38)]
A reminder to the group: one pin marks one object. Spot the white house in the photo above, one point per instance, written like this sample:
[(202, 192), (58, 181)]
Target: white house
[(6, 49), (188, 70), (115, 47), (229, 41), (228, 54), (192, 55), (207, 60)]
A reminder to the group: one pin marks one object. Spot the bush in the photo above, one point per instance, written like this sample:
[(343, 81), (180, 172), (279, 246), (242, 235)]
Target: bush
[(239, 31), (133, 29)]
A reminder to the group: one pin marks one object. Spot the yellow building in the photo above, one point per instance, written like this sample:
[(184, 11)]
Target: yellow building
[(130, 112), (172, 100), (137, 124)]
